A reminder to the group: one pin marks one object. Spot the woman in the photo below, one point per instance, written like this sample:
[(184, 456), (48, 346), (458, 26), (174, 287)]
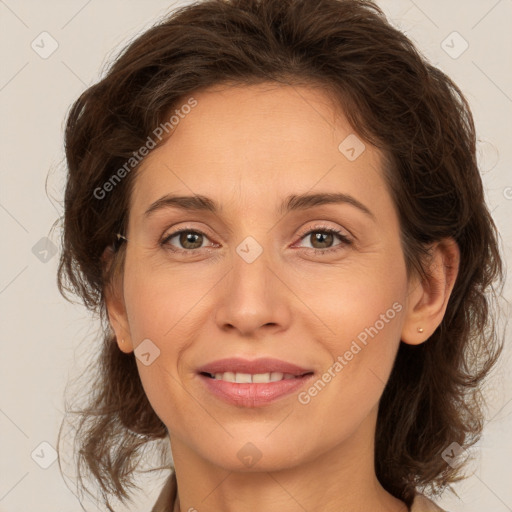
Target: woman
[(276, 209)]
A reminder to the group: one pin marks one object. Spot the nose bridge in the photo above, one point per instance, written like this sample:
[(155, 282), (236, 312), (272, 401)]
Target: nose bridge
[(251, 275), (251, 296)]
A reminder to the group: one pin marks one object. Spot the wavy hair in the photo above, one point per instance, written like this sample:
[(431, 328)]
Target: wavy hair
[(394, 99)]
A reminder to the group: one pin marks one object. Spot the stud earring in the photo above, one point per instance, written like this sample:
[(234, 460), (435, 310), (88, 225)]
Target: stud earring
[(420, 329)]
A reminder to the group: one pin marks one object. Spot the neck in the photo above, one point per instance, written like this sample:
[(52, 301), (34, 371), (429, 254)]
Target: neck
[(341, 479)]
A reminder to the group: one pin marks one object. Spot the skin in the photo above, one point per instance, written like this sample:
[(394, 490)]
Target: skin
[(248, 148)]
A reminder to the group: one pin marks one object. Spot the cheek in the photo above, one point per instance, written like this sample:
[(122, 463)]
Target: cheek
[(364, 311), (162, 306), (159, 300), (157, 311), (363, 300), (363, 353)]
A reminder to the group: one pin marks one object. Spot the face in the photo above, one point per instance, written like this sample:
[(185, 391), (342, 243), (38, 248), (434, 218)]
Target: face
[(263, 273)]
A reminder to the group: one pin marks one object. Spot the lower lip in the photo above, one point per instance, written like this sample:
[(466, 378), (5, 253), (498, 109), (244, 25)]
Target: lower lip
[(253, 395)]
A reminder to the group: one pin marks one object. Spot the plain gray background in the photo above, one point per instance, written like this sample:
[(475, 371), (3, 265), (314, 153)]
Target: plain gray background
[(45, 339)]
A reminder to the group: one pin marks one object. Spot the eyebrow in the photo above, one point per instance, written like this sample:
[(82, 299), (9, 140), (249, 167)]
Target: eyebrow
[(291, 203)]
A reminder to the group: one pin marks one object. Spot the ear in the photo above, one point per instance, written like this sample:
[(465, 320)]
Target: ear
[(427, 299), (114, 301)]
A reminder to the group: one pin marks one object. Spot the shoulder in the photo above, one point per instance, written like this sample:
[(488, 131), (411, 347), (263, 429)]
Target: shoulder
[(422, 504)]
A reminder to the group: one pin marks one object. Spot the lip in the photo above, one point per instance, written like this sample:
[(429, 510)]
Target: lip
[(261, 365), (253, 394)]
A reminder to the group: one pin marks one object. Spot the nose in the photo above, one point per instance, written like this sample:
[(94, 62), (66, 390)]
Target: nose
[(251, 296)]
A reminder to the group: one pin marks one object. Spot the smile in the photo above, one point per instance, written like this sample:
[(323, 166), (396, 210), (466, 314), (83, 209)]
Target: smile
[(248, 378)]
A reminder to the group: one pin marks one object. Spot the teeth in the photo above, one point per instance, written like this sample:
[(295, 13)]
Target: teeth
[(243, 377), (253, 378), (263, 377)]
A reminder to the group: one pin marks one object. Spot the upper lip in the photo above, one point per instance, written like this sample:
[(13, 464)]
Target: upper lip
[(261, 365)]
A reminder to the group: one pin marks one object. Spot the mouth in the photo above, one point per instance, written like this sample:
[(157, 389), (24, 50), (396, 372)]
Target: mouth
[(253, 383), (253, 378), (249, 384), (263, 369)]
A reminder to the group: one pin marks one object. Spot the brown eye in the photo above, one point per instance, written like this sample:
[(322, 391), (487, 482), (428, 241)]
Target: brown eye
[(187, 240), (190, 240), (322, 240)]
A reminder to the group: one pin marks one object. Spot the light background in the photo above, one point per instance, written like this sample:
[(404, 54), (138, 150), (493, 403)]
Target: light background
[(41, 332)]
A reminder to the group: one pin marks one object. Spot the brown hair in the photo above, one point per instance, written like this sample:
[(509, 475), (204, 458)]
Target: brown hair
[(395, 100)]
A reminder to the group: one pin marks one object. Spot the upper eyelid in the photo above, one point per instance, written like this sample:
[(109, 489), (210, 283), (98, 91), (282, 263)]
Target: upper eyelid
[(308, 231), (170, 233), (228, 228), (174, 231)]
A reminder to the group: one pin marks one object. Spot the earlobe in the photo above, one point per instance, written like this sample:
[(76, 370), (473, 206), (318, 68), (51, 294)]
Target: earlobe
[(116, 310), (428, 299), (119, 324)]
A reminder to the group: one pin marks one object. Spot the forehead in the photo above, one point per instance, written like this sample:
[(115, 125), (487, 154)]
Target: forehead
[(234, 120), (260, 140)]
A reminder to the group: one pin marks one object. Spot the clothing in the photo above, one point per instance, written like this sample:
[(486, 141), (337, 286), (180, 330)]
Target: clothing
[(167, 500)]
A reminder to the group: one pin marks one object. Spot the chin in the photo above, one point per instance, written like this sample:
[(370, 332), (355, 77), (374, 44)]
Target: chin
[(257, 452)]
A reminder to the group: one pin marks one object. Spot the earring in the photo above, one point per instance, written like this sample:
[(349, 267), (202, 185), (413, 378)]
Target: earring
[(420, 329), (119, 241)]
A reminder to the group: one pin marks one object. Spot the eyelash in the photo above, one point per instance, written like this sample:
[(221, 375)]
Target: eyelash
[(345, 241)]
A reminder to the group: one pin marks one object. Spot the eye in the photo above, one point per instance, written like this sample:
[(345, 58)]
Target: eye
[(322, 238), (188, 240)]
